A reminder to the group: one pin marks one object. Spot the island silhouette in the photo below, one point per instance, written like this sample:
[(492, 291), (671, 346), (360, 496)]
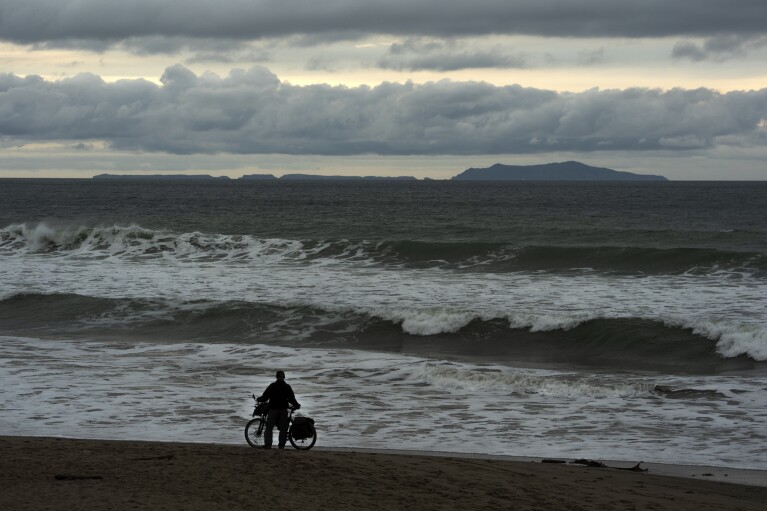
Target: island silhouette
[(563, 171)]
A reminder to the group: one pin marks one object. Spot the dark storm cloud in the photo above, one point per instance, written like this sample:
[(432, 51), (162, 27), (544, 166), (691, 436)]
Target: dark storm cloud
[(252, 111), (35, 21)]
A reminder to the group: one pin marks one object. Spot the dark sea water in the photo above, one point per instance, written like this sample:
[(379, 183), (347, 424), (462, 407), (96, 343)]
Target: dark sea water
[(592, 319)]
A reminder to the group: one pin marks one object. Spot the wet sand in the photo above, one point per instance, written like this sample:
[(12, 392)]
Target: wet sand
[(62, 474)]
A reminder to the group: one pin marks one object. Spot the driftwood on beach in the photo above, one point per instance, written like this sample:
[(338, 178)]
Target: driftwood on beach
[(596, 464)]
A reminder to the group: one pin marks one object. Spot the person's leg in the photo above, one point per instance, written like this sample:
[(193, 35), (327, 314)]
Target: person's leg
[(283, 424), (271, 419)]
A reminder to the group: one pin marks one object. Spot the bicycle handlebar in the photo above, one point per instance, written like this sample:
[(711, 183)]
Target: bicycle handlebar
[(291, 409)]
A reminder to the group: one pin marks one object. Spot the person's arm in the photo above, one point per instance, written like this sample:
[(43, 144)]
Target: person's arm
[(266, 395), (292, 399)]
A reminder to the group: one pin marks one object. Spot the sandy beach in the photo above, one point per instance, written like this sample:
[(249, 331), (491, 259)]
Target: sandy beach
[(54, 473)]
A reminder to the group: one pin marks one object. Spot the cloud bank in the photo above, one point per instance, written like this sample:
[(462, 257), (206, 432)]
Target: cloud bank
[(415, 54), (718, 48), (252, 112), (40, 21)]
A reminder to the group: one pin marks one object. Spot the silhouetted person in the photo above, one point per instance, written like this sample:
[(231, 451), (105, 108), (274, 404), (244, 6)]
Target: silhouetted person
[(279, 395)]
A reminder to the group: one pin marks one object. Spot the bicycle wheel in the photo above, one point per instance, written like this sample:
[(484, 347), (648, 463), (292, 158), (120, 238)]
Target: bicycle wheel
[(254, 432), (303, 444)]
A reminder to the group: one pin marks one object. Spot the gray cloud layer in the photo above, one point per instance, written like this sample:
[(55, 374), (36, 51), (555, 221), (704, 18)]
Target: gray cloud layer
[(36, 21), (415, 54), (251, 112), (718, 48)]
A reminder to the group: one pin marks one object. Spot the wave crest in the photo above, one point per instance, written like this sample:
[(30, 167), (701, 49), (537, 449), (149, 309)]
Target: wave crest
[(134, 241), (705, 346)]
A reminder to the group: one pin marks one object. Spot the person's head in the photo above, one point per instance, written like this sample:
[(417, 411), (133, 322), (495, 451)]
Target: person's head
[(280, 375)]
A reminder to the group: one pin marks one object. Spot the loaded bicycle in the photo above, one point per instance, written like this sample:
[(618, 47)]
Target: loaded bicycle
[(301, 432)]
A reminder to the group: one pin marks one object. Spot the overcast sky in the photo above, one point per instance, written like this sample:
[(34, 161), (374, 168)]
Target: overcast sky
[(382, 87)]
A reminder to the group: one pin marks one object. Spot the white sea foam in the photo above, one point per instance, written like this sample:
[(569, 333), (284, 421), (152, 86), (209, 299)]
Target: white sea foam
[(423, 301), (542, 322), (201, 392), (432, 321), (133, 241), (733, 338), (564, 385)]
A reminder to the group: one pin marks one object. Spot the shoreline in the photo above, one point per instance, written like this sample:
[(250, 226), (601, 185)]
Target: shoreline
[(724, 474), (62, 473)]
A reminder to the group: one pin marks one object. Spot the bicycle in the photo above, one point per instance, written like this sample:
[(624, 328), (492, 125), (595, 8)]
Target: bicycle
[(301, 433)]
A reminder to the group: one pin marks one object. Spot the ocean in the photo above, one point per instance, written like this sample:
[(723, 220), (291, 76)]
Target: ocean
[(584, 320)]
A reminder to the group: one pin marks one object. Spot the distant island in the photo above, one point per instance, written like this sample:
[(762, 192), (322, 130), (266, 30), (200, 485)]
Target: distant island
[(196, 177), (248, 177), (319, 177), (316, 177), (565, 171), (259, 177)]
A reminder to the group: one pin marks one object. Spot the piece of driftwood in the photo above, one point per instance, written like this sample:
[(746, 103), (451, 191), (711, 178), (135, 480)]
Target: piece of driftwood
[(73, 477), (166, 457), (635, 468), (590, 463), (599, 464)]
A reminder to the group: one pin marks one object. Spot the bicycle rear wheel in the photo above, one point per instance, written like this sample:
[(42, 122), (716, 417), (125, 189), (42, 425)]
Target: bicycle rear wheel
[(254, 432), (304, 444)]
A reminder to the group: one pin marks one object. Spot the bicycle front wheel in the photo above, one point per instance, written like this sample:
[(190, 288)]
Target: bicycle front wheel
[(304, 444), (254, 432)]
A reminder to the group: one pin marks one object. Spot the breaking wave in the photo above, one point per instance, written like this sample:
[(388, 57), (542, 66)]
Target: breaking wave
[(136, 242), (595, 342)]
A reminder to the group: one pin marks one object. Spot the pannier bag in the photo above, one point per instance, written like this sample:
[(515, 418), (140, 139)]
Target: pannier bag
[(303, 427)]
